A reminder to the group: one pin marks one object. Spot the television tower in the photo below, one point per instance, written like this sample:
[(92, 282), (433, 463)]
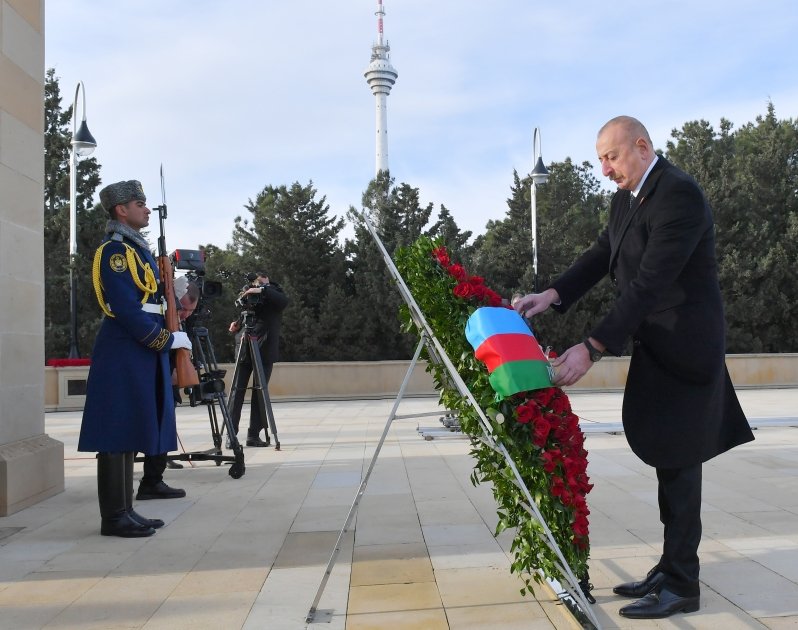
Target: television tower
[(381, 75)]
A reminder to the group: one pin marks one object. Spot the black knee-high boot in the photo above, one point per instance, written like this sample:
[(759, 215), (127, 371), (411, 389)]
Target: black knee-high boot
[(111, 493), (155, 523)]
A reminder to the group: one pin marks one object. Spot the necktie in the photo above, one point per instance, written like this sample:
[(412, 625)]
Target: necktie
[(631, 200)]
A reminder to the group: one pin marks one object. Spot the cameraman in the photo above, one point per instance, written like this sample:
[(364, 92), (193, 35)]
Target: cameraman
[(267, 300)]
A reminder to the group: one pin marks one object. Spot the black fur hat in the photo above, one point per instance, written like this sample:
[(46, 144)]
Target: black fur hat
[(121, 192)]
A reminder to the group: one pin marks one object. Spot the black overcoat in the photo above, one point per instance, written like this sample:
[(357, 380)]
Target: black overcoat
[(679, 406)]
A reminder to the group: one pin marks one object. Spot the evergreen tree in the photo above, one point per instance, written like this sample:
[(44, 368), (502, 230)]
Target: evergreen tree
[(503, 254), (292, 238), (750, 177), (399, 219), (216, 313), (455, 240), (570, 214), (90, 225)]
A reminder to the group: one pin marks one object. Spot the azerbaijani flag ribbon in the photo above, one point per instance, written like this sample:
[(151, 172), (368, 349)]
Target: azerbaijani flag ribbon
[(503, 341)]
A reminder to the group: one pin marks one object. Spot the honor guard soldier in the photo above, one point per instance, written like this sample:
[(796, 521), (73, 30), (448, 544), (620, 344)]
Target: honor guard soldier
[(129, 404)]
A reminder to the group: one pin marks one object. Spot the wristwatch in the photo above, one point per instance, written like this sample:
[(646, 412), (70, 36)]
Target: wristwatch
[(595, 354)]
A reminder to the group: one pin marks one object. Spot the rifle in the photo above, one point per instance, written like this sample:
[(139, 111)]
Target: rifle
[(186, 372)]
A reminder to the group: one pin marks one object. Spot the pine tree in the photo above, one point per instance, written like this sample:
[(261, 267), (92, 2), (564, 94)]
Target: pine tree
[(749, 177), (570, 214), (292, 238), (399, 220), (90, 223), (447, 229)]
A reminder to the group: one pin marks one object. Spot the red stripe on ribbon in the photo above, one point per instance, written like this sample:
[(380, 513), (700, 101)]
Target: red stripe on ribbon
[(499, 349)]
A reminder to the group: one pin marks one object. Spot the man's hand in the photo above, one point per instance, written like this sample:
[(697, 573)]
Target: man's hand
[(234, 327), (534, 303), (571, 365), (180, 340)]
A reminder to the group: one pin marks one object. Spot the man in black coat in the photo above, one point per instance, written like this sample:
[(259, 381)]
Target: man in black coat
[(679, 406), (271, 300)]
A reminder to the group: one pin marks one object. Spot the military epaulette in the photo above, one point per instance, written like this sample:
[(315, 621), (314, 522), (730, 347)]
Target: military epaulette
[(131, 262)]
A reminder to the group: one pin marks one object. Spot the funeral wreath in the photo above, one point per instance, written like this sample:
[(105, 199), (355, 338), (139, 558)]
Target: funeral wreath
[(538, 428)]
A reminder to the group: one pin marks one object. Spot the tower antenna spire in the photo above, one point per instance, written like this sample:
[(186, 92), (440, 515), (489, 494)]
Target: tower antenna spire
[(381, 75)]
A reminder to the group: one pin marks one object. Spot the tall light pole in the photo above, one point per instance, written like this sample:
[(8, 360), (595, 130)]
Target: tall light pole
[(83, 144), (540, 175)]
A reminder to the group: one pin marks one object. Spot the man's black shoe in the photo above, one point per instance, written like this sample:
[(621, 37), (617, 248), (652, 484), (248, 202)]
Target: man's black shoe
[(652, 582), (124, 526), (256, 441), (159, 491), (173, 464), (155, 523), (660, 605)]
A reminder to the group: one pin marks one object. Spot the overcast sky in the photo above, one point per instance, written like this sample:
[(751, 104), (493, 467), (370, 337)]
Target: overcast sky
[(233, 96)]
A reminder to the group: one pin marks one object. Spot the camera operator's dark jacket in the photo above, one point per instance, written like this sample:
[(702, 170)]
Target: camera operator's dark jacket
[(268, 319)]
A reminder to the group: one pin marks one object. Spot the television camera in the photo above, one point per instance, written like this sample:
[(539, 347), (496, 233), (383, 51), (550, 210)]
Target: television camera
[(211, 388), (192, 261)]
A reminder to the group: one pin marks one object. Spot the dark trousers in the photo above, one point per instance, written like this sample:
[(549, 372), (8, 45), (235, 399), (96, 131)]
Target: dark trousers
[(680, 512), (153, 465), (256, 423)]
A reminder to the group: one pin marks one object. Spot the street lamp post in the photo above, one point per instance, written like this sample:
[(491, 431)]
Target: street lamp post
[(83, 144), (540, 175)]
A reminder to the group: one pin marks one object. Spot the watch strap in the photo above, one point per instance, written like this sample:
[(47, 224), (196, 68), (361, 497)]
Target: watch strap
[(595, 353)]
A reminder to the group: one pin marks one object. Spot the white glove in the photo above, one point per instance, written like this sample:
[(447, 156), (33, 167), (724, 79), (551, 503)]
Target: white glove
[(180, 340)]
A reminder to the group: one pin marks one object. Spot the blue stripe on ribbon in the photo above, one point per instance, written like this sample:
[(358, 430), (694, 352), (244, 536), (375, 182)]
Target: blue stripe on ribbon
[(494, 320)]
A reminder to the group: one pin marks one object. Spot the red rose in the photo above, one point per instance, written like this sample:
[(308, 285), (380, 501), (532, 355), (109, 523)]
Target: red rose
[(541, 434), (523, 415), (550, 460), (544, 396), (492, 298), (463, 290), (441, 255), (478, 290), (580, 525), (526, 413), (476, 280), (560, 404), (457, 272)]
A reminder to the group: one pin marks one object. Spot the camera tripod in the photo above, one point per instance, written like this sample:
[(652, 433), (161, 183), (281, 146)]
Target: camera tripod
[(210, 392), (249, 361)]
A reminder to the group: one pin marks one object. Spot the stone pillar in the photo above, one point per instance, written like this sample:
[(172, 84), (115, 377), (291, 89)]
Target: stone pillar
[(31, 463)]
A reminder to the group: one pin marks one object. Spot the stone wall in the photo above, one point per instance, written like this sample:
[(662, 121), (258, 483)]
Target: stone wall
[(31, 463), (382, 379)]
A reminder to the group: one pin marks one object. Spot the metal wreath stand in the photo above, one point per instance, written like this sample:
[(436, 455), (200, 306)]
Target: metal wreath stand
[(571, 589)]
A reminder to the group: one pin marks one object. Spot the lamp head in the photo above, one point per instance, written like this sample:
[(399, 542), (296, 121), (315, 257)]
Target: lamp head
[(540, 174), (83, 142)]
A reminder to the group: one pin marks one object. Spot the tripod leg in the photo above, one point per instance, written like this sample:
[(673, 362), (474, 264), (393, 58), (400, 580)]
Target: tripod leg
[(260, 389), (237, 468), (238, 387)]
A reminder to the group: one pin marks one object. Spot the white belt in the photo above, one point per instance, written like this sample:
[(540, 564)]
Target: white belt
[(158, 309)]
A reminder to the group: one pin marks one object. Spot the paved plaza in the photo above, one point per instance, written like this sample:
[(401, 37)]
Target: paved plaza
[(251, 552)]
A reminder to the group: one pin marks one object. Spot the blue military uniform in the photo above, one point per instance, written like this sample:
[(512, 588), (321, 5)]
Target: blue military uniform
[(129, 404)]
